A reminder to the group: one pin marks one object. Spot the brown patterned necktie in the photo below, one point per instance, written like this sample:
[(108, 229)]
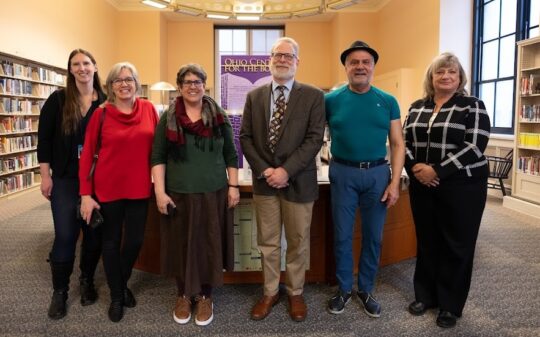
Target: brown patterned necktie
[(275, 123)]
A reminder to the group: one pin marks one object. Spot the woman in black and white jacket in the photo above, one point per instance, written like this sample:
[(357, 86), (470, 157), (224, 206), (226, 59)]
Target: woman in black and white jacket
[(446, 133)]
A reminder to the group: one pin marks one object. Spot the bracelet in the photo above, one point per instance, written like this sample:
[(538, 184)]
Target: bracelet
[(235, 186)]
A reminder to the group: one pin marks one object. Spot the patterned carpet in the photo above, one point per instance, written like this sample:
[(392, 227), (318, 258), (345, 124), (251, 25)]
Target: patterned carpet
[(504, 298)]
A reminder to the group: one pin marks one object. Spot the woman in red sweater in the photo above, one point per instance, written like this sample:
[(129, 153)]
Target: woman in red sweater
[(120, 184)]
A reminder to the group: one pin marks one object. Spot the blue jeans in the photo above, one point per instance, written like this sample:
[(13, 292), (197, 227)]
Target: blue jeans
[(64, 197), (354, 188)]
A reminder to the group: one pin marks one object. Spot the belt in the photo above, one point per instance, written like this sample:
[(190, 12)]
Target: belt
[(360, 164)]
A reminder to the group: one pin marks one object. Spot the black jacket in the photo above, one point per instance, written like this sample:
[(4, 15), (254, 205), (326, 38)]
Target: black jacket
[(54, 147), (456, 141)]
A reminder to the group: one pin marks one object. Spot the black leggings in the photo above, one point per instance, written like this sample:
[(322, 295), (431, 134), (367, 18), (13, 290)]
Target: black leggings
[(124, 223)]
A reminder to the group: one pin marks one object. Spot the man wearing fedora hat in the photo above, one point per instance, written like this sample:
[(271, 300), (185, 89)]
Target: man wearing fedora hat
[(361, 117)]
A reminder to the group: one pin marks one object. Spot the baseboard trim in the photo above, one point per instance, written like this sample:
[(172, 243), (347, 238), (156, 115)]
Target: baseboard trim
[(522, 206)]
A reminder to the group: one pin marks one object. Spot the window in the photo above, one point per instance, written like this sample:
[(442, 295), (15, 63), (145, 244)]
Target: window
[(498, 25), (242, 41)]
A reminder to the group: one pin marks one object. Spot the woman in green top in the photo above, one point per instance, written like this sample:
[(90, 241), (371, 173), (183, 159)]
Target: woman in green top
[(195, 171)]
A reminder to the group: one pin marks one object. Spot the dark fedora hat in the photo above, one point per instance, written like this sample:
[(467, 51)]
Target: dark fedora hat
[(359, 45)]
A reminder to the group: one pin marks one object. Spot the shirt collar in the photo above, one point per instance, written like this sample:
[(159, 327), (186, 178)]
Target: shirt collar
[(287, 85)]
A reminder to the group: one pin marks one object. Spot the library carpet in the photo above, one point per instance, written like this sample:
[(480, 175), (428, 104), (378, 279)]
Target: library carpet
[(504, 298)]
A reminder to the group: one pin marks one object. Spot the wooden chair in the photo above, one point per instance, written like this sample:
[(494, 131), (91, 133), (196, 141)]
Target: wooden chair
[(499, 168)]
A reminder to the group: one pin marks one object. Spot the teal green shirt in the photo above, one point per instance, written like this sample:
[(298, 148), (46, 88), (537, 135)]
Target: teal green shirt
[(360, 123), (201, 171)]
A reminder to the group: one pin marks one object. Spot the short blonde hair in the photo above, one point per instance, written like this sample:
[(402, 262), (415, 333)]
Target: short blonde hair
[(113, 74), (443, 61)]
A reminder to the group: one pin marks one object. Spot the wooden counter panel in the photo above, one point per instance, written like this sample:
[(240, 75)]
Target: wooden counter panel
[(399, 240)]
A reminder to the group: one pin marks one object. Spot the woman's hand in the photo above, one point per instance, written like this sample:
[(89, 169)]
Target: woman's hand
[(87, 207), (233, 196), (162, 200), (46, 186), (425, 174)]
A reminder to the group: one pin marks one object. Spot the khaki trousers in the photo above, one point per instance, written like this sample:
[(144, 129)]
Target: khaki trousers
[(272, 212)]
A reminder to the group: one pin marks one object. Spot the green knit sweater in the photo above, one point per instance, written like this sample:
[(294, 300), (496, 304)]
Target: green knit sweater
[(202, 170)]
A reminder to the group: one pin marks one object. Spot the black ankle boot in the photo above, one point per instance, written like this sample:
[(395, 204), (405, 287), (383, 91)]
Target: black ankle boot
[(57, 308), (116, 311), (61, 271), (88, 291)]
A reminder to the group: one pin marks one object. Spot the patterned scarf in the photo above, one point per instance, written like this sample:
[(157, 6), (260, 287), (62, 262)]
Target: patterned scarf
[(205, 129)]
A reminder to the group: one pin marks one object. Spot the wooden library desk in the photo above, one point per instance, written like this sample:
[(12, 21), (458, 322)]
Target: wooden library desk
[(399, 240)]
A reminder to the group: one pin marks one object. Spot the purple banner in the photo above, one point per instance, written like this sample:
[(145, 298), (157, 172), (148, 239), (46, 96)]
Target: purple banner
[(239, 75)]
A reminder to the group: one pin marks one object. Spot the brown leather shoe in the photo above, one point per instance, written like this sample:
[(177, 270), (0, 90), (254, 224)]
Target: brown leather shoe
[(263, 307), (297, 308)]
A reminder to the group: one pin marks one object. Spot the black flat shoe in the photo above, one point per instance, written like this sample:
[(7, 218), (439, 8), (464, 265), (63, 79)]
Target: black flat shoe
[(129, 299), (446, 319), (88, 292), (417, 308), (116, 311)]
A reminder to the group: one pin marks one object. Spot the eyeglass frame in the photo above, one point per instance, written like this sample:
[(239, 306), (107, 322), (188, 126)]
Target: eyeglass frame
[(287, 56), (127, 80), (189, 83)]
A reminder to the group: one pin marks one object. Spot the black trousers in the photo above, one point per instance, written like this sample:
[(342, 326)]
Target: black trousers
[(123, 234), (447, 220)]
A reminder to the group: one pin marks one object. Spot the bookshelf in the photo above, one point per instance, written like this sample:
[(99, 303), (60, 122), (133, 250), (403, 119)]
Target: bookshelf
[(24, 87), (526, 172)]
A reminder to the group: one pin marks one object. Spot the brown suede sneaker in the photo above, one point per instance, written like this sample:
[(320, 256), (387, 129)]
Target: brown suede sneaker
[(182, 310), (204, 310)]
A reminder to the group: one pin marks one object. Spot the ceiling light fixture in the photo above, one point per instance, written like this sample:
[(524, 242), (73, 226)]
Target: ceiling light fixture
[(308, 12), (188, 10), (340, 4), (218, 15), (277, 16), (156, 3), (248, 17)]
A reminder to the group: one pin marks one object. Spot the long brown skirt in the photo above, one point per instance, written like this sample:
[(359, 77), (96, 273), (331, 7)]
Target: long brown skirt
[(197, 241)]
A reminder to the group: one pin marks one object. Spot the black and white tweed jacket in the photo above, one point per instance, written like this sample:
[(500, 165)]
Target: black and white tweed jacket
[(455, 142)]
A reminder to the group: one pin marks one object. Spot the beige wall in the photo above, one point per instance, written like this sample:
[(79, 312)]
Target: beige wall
[(47, 31), (407, 34), (315, 63), (190, 42)]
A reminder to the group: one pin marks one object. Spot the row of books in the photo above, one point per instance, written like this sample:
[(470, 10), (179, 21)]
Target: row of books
[(14, 69), (530, 85), (22, 87), (529, 165), (20, 143), (20, 162), (530, 113), (17, 105), (18, 182), (17, 124), (531, 139)]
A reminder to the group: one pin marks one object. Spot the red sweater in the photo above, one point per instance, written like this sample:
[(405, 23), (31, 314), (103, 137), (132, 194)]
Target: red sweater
[(123, 167)]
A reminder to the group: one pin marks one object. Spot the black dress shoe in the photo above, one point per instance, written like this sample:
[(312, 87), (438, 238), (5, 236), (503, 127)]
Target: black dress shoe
[(418, 308), (129, 299), (446, 319), (116, 311)]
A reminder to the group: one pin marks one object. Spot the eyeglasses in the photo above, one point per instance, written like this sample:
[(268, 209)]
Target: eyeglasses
[(188, 83), (287, 56), (127, 80)]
